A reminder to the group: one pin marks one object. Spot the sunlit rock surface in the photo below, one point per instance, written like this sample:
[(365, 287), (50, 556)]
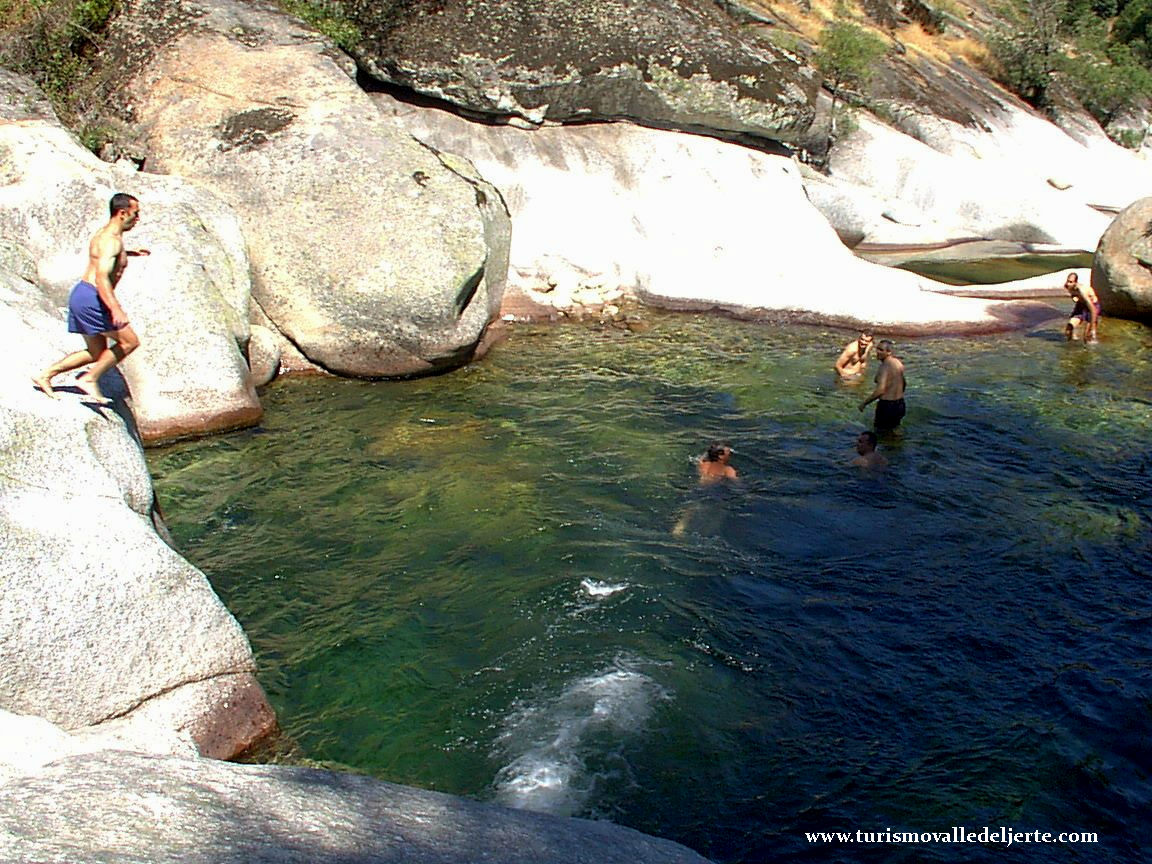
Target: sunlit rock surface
[(1122, 269), (368, 253), (681, 64), (188, 300), (128, 807), (688, 222)]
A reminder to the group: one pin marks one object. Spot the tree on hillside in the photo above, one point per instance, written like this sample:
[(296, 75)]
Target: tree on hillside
[(1133, 27), (1027, 50), (1104, 76), (846, 58), (54, 42)]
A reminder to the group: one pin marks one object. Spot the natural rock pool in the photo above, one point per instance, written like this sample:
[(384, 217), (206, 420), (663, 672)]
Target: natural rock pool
[(471, 583)]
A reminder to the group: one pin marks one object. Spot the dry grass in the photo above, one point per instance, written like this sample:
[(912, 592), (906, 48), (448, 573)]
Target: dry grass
[(808, 20), (941, 47)]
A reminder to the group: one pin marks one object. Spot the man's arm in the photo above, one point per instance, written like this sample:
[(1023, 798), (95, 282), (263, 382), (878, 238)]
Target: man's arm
[(881, 385), (1091, 300)]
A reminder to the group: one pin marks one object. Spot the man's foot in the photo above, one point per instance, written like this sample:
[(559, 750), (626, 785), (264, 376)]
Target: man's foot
[(93, 390), (44, 382)]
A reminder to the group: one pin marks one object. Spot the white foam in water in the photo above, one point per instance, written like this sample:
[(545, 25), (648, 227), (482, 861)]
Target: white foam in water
[(550, 746), (601, 589)]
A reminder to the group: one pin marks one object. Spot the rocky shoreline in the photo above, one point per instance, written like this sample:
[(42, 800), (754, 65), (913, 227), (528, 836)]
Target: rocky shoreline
[(300, 221)]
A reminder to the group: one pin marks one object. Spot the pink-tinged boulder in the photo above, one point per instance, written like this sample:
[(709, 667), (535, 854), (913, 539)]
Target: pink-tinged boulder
[(99, 618), (1122, 268), (370, 253)]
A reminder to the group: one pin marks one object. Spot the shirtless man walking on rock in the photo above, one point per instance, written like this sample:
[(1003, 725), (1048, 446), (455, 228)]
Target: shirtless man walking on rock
[(93, 310), (889, 392)]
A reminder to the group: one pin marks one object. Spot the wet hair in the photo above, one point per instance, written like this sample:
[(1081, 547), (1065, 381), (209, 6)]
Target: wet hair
[(716, 450), (885, 345), (870, 437), (120, 201)]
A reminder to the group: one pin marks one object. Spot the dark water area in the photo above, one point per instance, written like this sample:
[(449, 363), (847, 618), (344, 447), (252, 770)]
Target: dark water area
[(474, 583), (944, 266)]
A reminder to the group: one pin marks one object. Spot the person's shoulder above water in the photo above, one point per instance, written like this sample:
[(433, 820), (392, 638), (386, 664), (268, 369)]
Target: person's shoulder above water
[(714, 465), (866, 454), (854, 358)]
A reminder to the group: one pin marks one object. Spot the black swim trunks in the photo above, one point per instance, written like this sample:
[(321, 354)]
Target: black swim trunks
[(889, 413), (1082, 311)]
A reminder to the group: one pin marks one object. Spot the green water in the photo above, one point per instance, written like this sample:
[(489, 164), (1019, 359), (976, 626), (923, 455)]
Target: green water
[(994, 270), (471, 582)]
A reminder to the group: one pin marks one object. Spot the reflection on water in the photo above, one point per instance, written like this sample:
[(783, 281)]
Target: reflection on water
[(472, 583)]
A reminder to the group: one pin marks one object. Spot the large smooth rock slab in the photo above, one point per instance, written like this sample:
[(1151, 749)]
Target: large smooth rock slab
[(958, 187), (687, 222), (30, 743), (123, 807), (99, 617), (188, 301), (682, 64), (1122, 268), (370, 254)]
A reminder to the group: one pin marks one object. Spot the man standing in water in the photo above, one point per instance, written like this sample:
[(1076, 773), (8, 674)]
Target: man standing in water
[(1086, 310), (889, 392), (854, 358), (93, 310)]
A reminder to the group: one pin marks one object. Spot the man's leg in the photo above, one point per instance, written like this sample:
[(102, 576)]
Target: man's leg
[(95, 346), (126, 342)]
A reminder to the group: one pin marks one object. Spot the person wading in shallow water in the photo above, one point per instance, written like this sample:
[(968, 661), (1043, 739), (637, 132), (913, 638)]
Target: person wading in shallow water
[(889, 392), (1086, 309), (713, 466), (93, 310), (854, 358)]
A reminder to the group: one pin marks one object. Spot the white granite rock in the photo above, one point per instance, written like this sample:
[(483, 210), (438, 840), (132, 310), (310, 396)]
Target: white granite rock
[(127, 807), (188, 300), (687, 222), (370, 254)]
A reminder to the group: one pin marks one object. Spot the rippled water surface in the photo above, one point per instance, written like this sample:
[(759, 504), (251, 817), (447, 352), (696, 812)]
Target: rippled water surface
[(472, 583)]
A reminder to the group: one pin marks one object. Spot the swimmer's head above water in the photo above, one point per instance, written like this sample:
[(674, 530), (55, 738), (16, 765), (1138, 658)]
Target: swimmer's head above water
[(718, 451)]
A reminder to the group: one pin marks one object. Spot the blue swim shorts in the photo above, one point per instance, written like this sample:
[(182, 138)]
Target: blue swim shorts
[(86, 313)]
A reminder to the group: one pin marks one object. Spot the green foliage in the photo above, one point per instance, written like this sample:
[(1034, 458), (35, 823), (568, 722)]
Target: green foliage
[(1027, 50), (1133, 139), (847, 54), (1104, 76), (328, 17), (54, 42), (1133, 27)]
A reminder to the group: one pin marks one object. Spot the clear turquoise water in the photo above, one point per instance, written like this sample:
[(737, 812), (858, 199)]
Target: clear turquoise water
[(471, 583)]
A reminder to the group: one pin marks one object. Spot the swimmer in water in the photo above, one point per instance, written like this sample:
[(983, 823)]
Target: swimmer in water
[(713, 465), (712, 468), (867, 457)]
